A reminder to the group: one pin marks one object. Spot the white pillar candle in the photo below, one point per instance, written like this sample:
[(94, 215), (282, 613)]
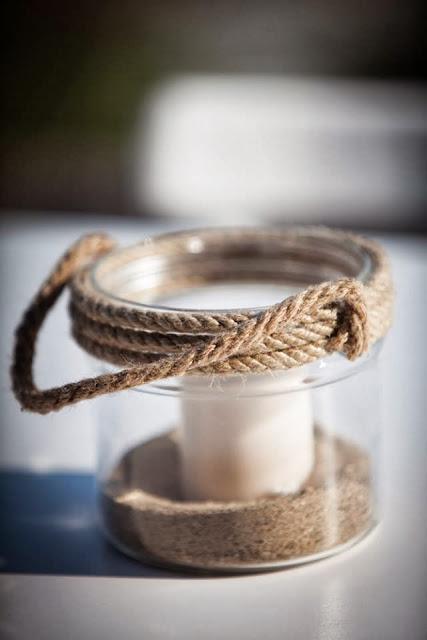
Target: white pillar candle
[(243, 439)]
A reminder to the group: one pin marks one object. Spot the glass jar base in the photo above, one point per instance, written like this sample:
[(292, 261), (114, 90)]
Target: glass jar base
[(243, 568), (145, 515)]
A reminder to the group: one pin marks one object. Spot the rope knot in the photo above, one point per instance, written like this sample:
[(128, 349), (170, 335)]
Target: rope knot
[(351, 333)]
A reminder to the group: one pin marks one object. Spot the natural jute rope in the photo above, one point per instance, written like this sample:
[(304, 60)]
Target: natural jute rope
[(152, 343)]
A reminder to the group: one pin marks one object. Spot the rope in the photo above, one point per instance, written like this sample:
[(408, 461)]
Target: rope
[(344, 315)]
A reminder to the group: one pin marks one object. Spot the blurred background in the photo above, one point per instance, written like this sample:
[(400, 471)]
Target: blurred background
[(309, 111)]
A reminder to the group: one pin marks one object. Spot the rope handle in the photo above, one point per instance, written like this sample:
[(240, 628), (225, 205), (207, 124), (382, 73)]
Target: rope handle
[(350, 335)]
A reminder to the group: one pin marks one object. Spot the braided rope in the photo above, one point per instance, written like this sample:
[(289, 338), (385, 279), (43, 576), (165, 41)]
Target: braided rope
[(154, 343)]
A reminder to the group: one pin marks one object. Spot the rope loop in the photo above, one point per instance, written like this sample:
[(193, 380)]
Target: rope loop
[(343, 315)]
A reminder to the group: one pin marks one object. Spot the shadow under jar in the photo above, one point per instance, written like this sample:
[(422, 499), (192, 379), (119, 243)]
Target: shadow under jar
[(243, 472)]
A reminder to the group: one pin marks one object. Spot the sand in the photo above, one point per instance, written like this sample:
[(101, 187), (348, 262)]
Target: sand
[(144, 513)]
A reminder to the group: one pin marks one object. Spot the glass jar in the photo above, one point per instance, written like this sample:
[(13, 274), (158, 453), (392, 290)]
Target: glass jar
[(240, 472)]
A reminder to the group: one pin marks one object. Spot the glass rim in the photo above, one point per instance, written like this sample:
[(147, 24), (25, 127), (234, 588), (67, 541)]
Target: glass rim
[(195, 250)]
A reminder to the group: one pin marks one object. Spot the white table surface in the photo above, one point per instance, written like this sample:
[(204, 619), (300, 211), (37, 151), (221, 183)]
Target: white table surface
[(377, 590)]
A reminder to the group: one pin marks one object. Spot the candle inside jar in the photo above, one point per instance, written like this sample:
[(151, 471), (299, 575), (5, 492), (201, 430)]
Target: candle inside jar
[(242, 438)]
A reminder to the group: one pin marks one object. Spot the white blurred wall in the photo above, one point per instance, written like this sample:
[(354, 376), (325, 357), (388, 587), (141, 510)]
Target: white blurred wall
[(241, 148)]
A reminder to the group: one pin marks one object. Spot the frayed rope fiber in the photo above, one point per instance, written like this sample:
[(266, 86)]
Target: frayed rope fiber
[(152, 343)]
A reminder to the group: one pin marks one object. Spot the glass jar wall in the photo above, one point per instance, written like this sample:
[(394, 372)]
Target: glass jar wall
[(242, 473)]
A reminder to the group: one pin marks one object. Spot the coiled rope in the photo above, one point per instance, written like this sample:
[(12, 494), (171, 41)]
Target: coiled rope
[(153, 343)]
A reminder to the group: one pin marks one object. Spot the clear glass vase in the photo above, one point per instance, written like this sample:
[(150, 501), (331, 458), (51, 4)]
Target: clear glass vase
[(240, 472)]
